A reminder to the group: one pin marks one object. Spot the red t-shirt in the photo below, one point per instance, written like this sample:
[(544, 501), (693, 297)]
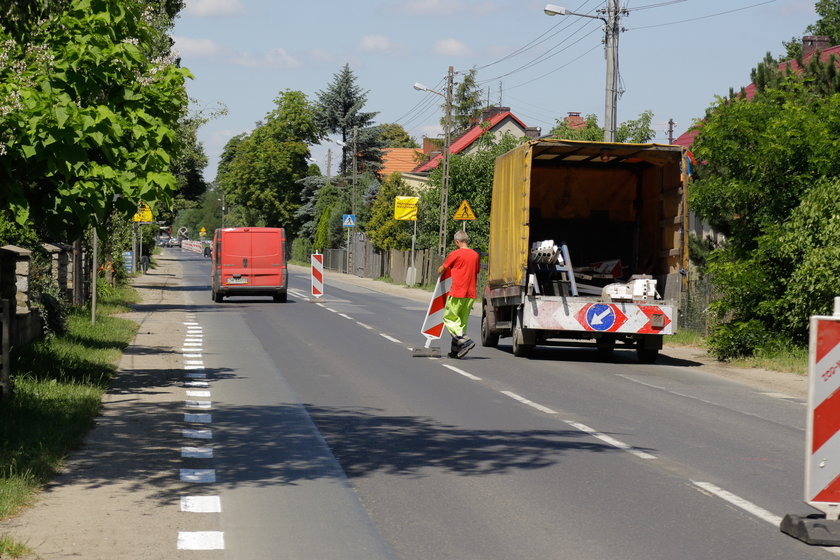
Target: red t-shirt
[(464, 264)]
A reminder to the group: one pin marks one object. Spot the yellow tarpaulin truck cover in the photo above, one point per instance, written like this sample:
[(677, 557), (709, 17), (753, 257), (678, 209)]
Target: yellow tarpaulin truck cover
[(513, 175)]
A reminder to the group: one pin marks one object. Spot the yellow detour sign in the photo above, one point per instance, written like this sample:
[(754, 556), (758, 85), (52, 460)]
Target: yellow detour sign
[(144, 213), (464, 212), (202, 232), (405, 208)]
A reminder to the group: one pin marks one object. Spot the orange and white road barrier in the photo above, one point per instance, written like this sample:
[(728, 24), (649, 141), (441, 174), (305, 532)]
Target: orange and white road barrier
[(822, 455), (432, 327), (317, 275)]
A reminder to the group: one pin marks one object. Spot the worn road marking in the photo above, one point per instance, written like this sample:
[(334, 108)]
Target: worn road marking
[(198, 393), (201, 540), (203, 476), (197, 434), (199, 404), (368, 327), (609, 440), (201, 504), (198, 418), (391, 338), (194, 375), (197, 452)]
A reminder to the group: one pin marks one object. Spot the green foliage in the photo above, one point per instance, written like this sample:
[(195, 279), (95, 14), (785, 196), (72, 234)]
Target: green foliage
[(737, 339), (301, 250), (466, 104), (470, 179), (259, 173), (339, 109), (383, 230), (828, 24), (395, 136), (636, 131), (87, 117)]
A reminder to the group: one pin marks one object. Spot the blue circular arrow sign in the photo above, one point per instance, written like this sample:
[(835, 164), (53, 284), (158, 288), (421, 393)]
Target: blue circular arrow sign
[(600, 317)]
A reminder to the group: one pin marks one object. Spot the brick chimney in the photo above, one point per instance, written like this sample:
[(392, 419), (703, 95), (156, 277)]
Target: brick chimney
[(574, 120), (490, 112), (811, 43)]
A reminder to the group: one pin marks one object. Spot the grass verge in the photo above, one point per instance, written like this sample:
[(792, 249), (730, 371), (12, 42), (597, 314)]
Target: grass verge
[(58, 386), (785, 359)]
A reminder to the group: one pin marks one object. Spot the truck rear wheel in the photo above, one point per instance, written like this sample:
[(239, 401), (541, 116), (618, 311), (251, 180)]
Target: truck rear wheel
[(489, 339), (647, 355), (520, 347)]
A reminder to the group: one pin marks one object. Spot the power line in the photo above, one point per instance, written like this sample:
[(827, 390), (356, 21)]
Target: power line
[(703, 17), (655, 5)]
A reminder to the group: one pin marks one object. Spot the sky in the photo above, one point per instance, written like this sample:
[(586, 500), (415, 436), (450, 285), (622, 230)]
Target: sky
[(675, 56)]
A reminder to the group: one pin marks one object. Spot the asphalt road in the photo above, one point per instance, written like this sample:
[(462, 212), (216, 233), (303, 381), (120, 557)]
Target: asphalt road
[(331, 441)]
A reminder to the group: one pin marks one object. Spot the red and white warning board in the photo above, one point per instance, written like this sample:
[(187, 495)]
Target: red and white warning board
[(822, 458), (317, 275), (433, 323)]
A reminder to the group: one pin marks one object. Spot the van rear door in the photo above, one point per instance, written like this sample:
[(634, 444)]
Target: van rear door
[(267, 258)]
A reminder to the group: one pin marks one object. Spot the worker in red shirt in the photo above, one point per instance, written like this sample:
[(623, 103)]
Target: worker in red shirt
[(463, 264)]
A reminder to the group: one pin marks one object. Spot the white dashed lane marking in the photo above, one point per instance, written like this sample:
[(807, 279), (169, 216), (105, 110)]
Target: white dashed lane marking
[(201, 540), (198, 418), (190, 433), (462, 372), (202, 476), (201, 504), (197, 452)]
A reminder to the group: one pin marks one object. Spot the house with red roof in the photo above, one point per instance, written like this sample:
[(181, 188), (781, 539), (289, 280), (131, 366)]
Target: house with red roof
[(399, 160), (494, 120)]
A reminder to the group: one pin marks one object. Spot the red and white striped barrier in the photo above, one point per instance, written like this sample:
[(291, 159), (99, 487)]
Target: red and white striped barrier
[(194, 246), (822, 468), (432, 327), (317, 275)]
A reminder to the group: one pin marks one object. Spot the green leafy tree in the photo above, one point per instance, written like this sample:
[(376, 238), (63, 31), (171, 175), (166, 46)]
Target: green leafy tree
[(339, 109), (636, 131), (769, 182), (395, 136), (259, 173), (383, 230), (828, 25), (88, 121)]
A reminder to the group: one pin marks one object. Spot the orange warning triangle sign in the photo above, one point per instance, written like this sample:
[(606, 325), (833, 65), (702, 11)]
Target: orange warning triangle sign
[(465, 212)]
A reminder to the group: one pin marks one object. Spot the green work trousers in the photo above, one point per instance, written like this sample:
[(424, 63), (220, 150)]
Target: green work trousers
[(456, 313)]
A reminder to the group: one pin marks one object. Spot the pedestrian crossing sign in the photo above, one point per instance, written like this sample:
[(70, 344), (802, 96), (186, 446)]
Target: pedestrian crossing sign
[(464, 212), (348, 220)]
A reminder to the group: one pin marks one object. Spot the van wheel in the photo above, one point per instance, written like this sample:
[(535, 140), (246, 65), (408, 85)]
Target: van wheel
[(489, 339), (280, 298), (217, 297)]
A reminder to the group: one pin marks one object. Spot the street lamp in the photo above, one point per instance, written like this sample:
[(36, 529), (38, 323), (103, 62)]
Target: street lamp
[(444, 190), (611, 30)]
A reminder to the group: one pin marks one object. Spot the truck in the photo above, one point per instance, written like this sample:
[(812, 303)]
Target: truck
[(587, 246), (249, 261)]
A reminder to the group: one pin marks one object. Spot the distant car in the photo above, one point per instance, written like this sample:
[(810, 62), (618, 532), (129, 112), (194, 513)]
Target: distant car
[(174, 242)]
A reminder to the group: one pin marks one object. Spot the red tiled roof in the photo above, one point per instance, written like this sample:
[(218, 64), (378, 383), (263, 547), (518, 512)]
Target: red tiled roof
[(398, 160), (468, 138), (687, 138)]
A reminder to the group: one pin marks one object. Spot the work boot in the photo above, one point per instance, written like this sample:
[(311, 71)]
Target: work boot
[(466, 346)]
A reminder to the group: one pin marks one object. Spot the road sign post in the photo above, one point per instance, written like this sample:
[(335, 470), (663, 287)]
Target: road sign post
[(822, 455)]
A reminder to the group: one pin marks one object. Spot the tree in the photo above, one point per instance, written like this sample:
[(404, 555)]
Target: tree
[(89, 122), (383, 230), (259, 172), (466, 104), (395, 136), (634, 131), (769, 182), (828, 25), (340, 109)]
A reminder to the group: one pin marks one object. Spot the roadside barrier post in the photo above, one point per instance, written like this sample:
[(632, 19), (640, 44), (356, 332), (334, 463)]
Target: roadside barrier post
[(317, 284), (822, 447), (432, 327)]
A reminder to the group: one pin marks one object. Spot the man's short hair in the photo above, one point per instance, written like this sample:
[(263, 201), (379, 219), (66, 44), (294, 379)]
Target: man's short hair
[(462, 236)]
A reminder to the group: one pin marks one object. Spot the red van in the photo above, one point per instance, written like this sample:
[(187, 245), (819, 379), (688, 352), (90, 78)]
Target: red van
[(249, 261)]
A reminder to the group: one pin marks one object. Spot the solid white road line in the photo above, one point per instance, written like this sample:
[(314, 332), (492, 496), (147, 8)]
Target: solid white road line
[(201, 504), (197, 452), (609, 440), (462, 372), (201, 540), (739, 502), (532, 404), (203, 476)]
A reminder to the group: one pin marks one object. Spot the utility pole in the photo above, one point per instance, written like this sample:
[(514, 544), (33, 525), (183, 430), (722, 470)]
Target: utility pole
[(671, 124), (444, 191), (351, 256), (611, 53)]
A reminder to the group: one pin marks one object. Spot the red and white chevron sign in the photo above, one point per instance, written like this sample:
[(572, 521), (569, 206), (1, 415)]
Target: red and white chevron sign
[(317, 275), (822, 468), (433, 324)]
